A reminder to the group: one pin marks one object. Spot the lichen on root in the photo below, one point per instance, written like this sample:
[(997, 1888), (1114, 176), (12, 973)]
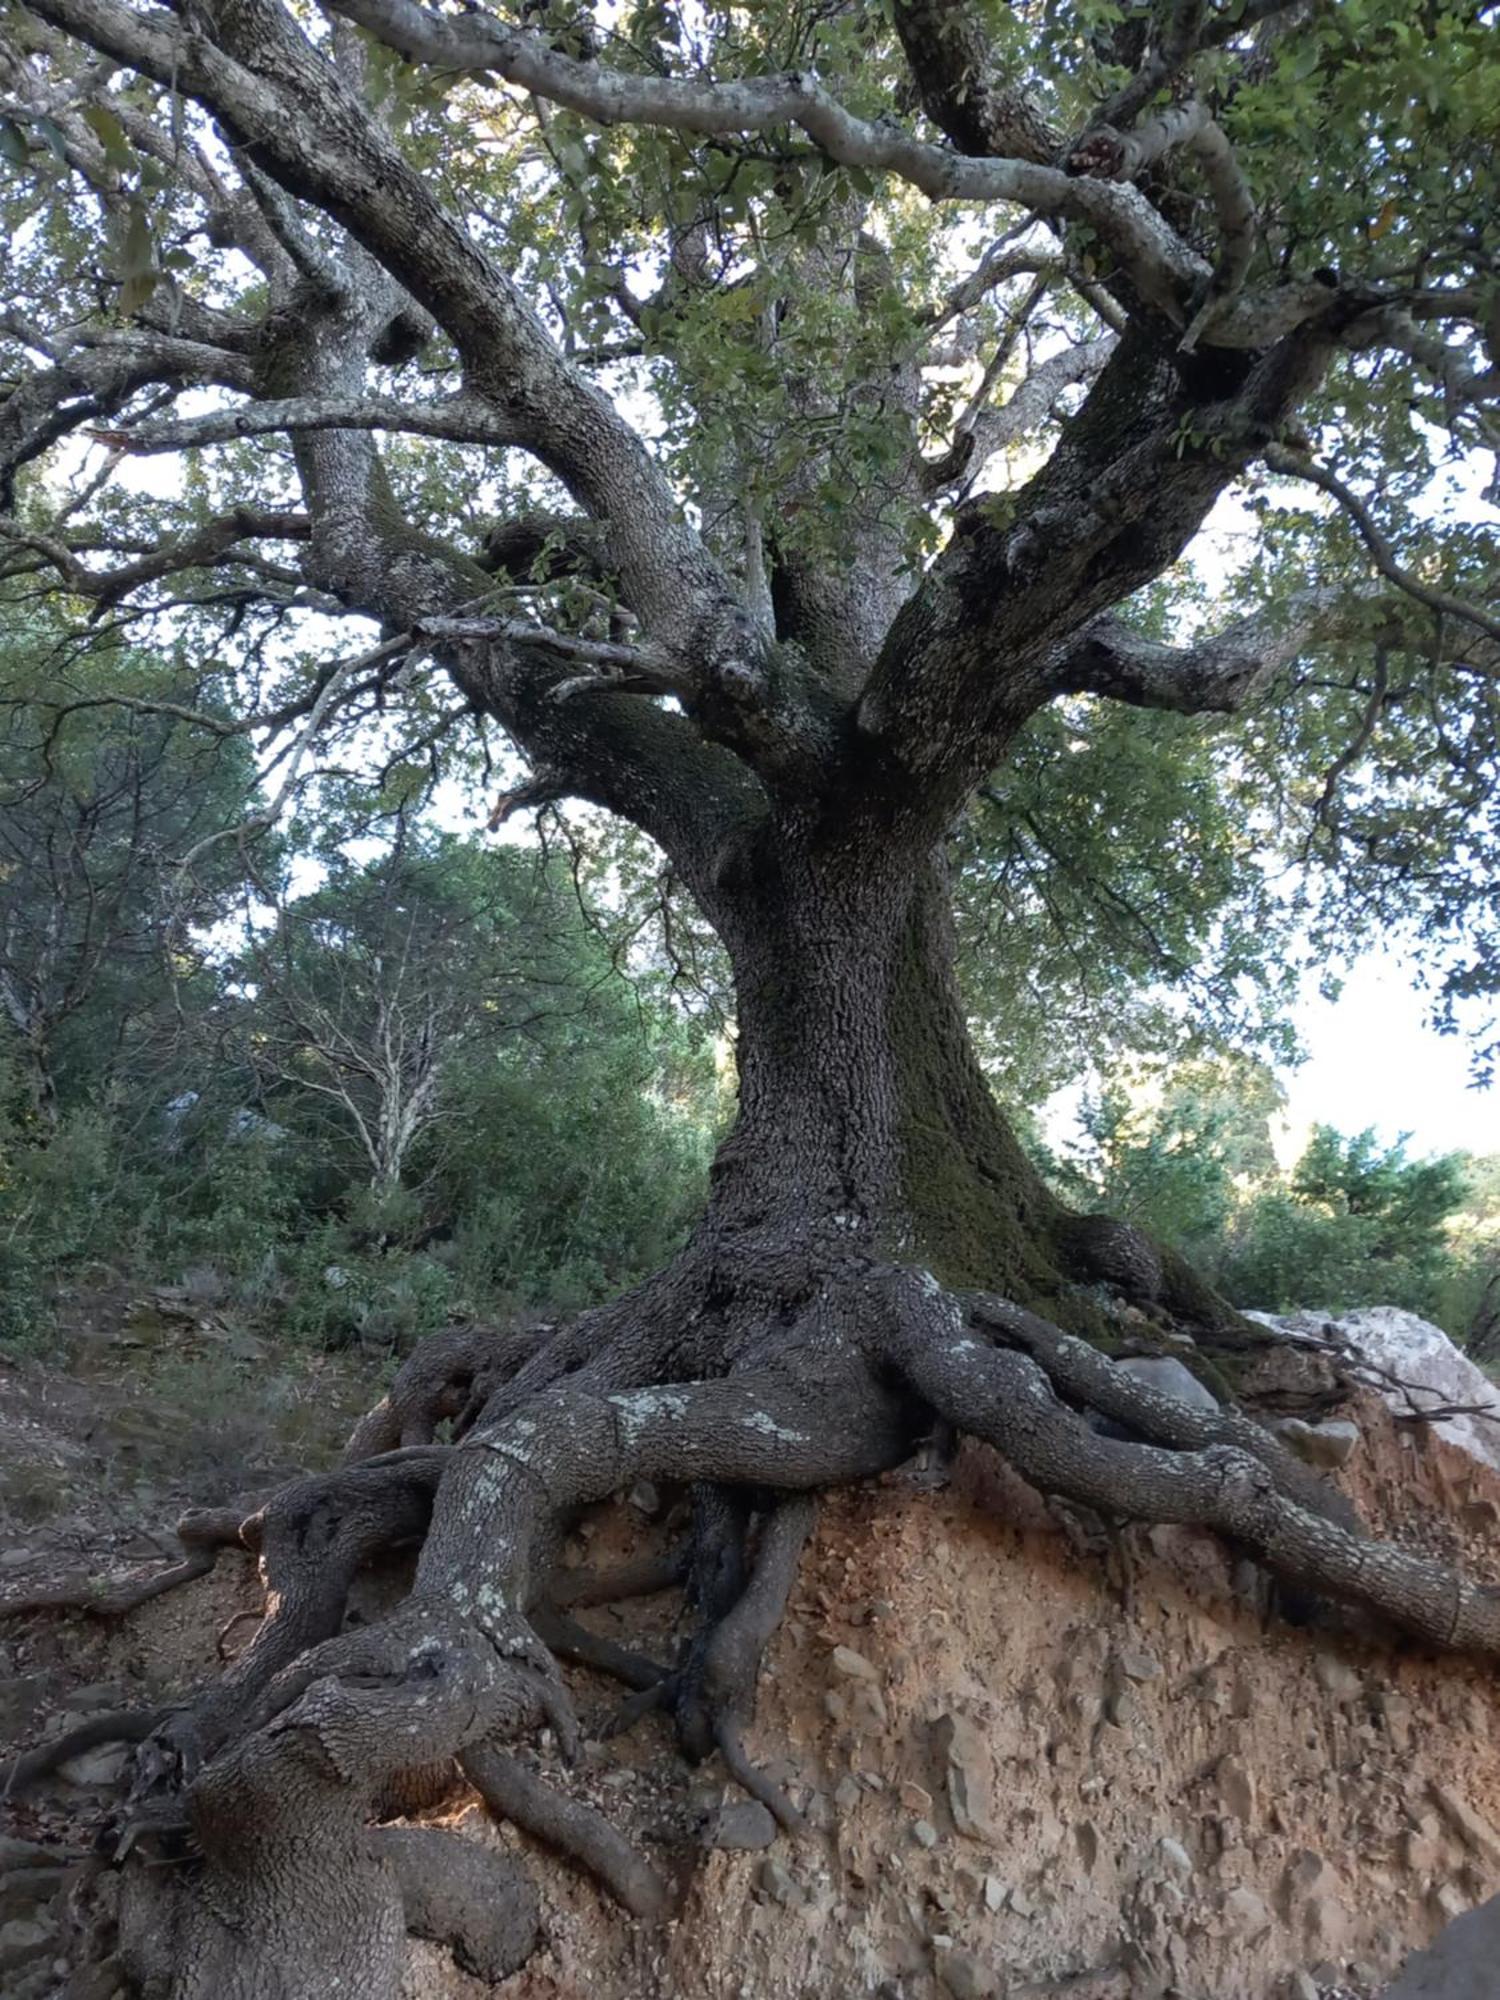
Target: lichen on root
[(267, 1788)]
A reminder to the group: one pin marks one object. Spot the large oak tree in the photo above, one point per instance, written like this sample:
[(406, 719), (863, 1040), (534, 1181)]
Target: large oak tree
[(762, 415)]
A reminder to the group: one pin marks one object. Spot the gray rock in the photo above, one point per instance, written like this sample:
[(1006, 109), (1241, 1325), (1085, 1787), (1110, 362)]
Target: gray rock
[(965, 1976), (744, 1827), (1121, 1708), (1173, 1856), (1472, 1828), (1327, 1445), (95, 1767), (970, 1774), (22, 1940), (854, 1665), (924, 1833), (1460, 1965), (777, 1884), (1236, 1788), (1245, 1912), (1136, 1665), (1337, 1679), (1167, 1374)]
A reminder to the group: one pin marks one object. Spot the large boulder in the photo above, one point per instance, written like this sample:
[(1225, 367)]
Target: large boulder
[(1416, 1367)]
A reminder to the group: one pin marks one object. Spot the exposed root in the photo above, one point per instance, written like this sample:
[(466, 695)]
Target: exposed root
[(1007, 1399), (578, 1589), (715, 1694), (118, 1725), (480, 1904), (439, 1382), (574, 1829), (313, 1538), (571, 1641), (280, 1817), (202, 1533), (313, 1733), (1086, 1376)]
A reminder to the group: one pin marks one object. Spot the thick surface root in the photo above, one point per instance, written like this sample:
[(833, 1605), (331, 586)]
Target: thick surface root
[(278, 1772), (575, 1830), (202, 1533), (481, 1905), (1007, 1399)]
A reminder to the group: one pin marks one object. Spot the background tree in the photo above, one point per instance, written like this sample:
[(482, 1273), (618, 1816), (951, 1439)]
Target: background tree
[(364, 993), (98, 800), (1352, 1223), (777, 601)]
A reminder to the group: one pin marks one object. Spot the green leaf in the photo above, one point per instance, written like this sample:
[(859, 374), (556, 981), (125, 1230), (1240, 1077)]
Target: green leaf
[(13, 146), (110, 133)]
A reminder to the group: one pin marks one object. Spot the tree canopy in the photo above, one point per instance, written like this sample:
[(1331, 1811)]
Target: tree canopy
[(1024, 450), (779, 244)]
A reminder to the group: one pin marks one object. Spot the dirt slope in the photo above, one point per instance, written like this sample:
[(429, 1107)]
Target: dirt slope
[(1036, 1760)]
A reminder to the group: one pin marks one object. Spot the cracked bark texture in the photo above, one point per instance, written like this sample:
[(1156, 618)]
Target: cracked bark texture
[(877, 1258)]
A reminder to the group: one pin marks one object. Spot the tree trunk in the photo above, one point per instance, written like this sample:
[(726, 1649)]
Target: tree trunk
[(862, 1270), (866, 1121)]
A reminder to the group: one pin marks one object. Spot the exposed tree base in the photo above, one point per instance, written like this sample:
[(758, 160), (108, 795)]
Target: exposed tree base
[(266, 1788)]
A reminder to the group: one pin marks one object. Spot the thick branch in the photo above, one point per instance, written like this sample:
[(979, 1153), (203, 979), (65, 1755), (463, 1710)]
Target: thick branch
[(464, 419), (1218, 674), (988, 431), (1162, 267)]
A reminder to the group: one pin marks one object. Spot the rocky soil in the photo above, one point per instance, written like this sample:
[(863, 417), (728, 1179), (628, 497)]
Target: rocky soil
[(1037, 1758)]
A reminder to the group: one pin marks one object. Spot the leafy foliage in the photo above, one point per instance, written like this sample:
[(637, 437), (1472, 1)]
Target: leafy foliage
[(1352, 1223)]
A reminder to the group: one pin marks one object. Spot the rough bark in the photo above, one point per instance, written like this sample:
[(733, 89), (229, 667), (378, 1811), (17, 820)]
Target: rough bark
[(877, 1258), (804, 1338)]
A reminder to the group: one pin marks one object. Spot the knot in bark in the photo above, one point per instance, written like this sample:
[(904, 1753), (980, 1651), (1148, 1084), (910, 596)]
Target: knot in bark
[(1244, 1480)]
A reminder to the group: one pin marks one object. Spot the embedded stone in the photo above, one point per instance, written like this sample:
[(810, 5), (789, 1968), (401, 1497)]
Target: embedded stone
[(854, 1665), (1245, 1912), (1174, 1856), (1336, 1679), (965, 1976), (1472, 1828), (1168, 1375), (1327, 1445), (1236, 1789), (744, 1827), (1394, 1711), (969, 1774), (1139, 1666), (1450, 1901), (776, 1882)]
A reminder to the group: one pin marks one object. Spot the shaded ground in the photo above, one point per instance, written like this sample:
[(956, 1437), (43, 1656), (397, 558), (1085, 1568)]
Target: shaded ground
[(1036, 1759)]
